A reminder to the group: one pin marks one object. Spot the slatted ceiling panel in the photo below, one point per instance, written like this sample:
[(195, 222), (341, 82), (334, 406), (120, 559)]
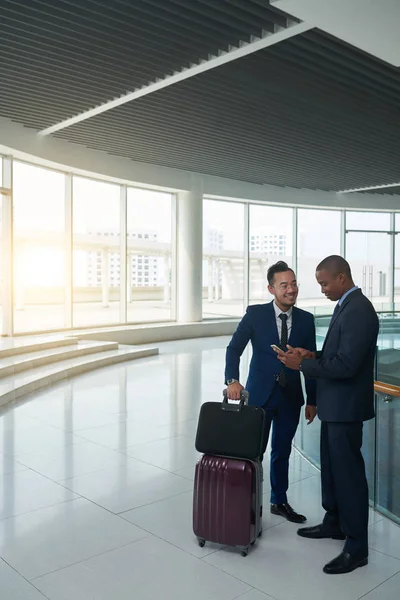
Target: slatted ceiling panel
[(389, 191), (310, 112), (77, 54), (262, 119), (317, 51)]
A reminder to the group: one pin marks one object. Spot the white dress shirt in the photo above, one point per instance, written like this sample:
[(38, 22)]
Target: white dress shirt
[(278, 312)]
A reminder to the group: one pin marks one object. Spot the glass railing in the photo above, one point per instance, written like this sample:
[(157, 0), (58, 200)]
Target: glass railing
[(381, 446)]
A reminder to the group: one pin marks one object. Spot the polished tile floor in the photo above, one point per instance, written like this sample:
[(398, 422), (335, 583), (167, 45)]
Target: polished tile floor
[(96, 480)]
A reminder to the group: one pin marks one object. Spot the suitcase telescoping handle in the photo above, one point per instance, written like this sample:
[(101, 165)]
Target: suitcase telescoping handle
[(244, 399)]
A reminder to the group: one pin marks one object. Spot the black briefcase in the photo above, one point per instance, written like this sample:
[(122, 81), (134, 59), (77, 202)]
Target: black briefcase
[(234, 430)]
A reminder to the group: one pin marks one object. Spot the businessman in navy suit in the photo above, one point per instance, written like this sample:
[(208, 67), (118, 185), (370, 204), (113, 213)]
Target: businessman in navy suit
[(344, 371), (271, 385)]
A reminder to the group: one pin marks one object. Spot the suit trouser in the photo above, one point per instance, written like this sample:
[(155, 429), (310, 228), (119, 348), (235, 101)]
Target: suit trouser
[(344, 483), (284, 419)]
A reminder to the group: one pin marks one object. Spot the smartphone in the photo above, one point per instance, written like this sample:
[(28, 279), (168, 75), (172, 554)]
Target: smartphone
[(276, 348)]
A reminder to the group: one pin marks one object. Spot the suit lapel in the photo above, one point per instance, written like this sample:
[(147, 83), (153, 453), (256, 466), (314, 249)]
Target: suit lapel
[(293, 330), (335, 317), (272, 323)]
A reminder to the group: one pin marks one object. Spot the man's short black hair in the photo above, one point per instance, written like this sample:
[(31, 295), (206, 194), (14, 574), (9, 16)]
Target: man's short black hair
[(335, 264), (279, 267)]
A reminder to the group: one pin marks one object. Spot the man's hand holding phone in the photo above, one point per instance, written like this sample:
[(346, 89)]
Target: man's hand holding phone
[(301, 352)]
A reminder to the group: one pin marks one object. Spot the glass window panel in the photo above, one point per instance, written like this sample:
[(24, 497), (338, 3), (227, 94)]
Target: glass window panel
[(387, 457), (1, 266), (318, 237), (149, 230), (39, 248), (397, 222), (397, 272), (369, 257), (270, 240), (373, 221), (96, 252), (223, 259)]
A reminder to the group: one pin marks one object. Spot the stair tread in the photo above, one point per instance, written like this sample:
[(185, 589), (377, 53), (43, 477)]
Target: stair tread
[(8, 384), (16, 359), (31, 344)]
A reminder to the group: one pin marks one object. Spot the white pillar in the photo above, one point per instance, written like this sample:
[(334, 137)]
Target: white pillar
[(105, 278), (190, 250), (7, 291), (68, 251), (123, 259)]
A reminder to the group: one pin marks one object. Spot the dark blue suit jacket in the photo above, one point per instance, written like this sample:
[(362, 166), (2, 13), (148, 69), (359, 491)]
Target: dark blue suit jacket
[(259, 326), (345, 367)]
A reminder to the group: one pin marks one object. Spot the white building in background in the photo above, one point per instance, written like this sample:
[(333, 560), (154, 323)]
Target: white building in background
[(213, 239), (268, 242), (146, 271)]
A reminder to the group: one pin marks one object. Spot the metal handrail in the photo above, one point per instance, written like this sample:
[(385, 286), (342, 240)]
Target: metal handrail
[(387, 390)]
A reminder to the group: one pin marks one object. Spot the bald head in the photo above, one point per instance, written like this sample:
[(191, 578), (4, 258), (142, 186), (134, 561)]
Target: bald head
[(335, 264), (334, 276)]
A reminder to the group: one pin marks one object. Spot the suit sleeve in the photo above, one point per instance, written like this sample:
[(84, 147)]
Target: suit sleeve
[(311, 384), (357, 335), (238, 343)]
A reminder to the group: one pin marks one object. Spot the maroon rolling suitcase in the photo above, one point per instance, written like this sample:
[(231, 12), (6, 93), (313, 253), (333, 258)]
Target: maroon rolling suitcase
[(227, 501)]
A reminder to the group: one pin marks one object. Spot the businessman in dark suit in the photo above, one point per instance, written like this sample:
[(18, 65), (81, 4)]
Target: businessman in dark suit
[(344, 371), (270, 385)]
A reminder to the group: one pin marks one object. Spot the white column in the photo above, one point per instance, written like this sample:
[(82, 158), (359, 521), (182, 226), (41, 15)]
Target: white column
[(392, 279), (68, 252), (190, 249), (105, 278), (246, 269), (295, 240), (123, 249), (7, 299), (174, 257), (343, 233)]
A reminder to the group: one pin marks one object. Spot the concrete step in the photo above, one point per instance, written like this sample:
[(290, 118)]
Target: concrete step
[(18, 363), (22, 345), (14, 387)]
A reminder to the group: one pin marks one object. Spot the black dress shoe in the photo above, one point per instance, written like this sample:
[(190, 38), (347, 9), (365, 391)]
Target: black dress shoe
[(319, 532), (345, 563), (285, 510)]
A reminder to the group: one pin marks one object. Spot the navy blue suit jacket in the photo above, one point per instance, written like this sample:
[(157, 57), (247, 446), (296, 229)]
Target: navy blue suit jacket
[(259, 326), (345, 367)]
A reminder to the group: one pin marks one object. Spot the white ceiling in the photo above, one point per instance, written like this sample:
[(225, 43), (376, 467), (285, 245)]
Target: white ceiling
[(371, 25)]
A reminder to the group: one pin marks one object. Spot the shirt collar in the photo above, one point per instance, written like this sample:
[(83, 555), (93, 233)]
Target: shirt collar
[(343, 298), (278, 311)]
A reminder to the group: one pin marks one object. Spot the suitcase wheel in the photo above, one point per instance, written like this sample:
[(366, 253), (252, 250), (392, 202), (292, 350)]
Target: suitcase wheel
[(202, 543), (252, 543), (260, 534), (244, 552)]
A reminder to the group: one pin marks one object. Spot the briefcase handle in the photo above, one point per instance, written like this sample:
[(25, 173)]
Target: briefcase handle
[(244, 399)]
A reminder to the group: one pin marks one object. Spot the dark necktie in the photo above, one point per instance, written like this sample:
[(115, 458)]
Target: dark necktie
[(282, 379), (335, 312)]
